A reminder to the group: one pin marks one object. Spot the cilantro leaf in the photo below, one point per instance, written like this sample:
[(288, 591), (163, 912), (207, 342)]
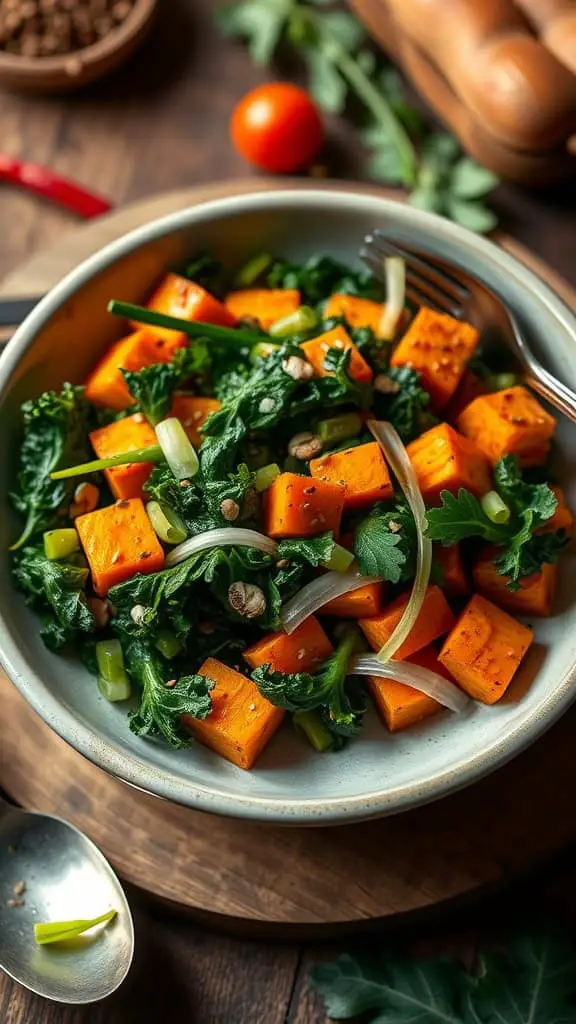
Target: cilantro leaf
[(260, 23), (460, 517), (55, 436), (57, 590), (385, 543), (539, 499), (527, 555)]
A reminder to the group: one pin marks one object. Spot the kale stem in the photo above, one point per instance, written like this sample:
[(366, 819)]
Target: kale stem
[(26, 533), (193, 328)]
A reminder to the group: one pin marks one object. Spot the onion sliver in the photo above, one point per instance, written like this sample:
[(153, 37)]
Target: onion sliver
[(422, 679), (397, 456), (318, 593), (395, 270), (224, 536)]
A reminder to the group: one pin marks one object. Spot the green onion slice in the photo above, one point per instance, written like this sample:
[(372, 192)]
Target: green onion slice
[(61, 931)]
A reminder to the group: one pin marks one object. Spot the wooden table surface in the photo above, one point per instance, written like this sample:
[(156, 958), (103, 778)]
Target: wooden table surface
[(160, 124)]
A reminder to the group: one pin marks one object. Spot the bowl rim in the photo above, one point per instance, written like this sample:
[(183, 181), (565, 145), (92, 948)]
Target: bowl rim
[(135, 771)]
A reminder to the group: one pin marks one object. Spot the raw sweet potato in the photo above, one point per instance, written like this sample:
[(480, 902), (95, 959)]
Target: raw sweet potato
[(438, 346), (484, 649), (266, 305), (361, 471), (434, 620), (509, 422), (298, 506), (176, 296), (241, 722), (126, 435), (303, 651), (469, 388), (316, 349), (118, 542), (534, 596), (401, 705), (358, 604), (562, 519), (192, 411), (445, 460), (454, 580), (106, 386), (356, 312)]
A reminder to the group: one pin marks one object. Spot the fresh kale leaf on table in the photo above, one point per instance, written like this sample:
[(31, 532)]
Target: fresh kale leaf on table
[(56, 590), (533, 981), (56, 427), (522, 550), (341, 66)]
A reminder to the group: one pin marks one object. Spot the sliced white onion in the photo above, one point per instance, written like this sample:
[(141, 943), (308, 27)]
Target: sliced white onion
[(403, 470), (422, 679), (179, 452), (395, 270), (318, 593), (224, 536)]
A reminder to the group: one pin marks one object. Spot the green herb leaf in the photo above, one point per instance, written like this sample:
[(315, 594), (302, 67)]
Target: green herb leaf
[(472, 215), (46, 932), (56, 590), (533, 982), (460, 517), (528, 552), (321, 276), (325, 83), (55, 436), (521, 496), (385, 543), (470, 180), (408, 409), (153, 387), (261, 23), (315, 551)]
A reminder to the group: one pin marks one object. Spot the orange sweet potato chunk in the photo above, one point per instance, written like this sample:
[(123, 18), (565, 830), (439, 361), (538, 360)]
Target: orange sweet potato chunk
[(118, 542), (298, 506), (400, 705), (469, 388), (177, 296), (445, 460), (303, 651), (192, 411), (361, 471), (484, 650), (126, 435), (241, 722), (316, 349), (434, 620), (535, 595), (358, 604), (106, 386), (263, 304), (356, 312), (509, 422), (438, 347), (450, 561)]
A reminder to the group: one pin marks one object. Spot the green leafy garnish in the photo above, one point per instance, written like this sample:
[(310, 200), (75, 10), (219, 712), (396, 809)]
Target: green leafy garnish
[(341, 67), (531, 982), (320, 276), (408, 409), (461, 516), (56, 590), (329, 690), (55, 435), (385, 543), (153, 387), (46, 932)]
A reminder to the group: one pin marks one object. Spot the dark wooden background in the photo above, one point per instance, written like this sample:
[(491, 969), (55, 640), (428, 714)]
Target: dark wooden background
[(159, 124)]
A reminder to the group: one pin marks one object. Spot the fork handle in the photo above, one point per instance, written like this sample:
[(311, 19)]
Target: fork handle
[(560, 396)]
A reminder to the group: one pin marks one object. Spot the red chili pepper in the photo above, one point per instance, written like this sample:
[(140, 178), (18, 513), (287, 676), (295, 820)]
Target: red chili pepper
[(43, 182)]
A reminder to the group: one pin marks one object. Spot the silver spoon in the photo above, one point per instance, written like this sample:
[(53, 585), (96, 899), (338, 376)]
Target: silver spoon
[(65, 878)]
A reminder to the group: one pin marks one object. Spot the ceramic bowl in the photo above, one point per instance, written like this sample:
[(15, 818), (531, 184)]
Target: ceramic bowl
[(377, 774)]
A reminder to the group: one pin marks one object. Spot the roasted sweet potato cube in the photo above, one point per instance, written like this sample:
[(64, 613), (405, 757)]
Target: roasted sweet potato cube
[(241, 722), (126, 435), (535, 593), (316, 349), (299, 506), (454, 580), (303, 651), (434, 620), (193, 411), (106, 386), (356, 312), (509, 422), (444, 460), (118, 542), (266, 305), (361, 471), (438, 346), (177, 296), (469, 388), (362, 603), (484, 649), (399, 704)]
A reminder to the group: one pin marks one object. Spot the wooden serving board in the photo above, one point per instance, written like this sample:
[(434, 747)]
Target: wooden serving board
[(304, 881)]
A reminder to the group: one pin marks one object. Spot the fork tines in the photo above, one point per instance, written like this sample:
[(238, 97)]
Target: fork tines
[(426, 283)]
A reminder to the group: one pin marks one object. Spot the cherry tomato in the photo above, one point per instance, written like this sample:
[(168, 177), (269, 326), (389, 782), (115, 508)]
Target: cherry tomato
[(277, 128)]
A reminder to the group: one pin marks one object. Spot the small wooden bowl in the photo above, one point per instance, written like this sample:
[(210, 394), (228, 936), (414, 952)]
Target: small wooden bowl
[(71, 71)]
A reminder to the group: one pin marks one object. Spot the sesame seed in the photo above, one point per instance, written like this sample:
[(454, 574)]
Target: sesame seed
[(251, 707), (138, 417)]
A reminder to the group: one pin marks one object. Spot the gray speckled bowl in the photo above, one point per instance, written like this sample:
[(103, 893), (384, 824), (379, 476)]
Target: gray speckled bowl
[(377, 774)]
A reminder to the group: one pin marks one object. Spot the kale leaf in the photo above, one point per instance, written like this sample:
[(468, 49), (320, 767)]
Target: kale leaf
[(385, 543), (313, 550), (408, 409), (322, 276), (56, 590), (153, 387), (56, 427), (339, 701), (521, 496)]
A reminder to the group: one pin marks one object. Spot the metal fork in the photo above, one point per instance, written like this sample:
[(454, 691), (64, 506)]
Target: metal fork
[(449, 289)]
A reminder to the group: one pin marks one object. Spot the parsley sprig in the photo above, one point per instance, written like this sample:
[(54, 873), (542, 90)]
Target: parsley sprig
[(340, 66)]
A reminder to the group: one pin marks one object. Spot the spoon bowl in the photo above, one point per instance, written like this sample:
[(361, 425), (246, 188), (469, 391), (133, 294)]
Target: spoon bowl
[(65, 878)]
